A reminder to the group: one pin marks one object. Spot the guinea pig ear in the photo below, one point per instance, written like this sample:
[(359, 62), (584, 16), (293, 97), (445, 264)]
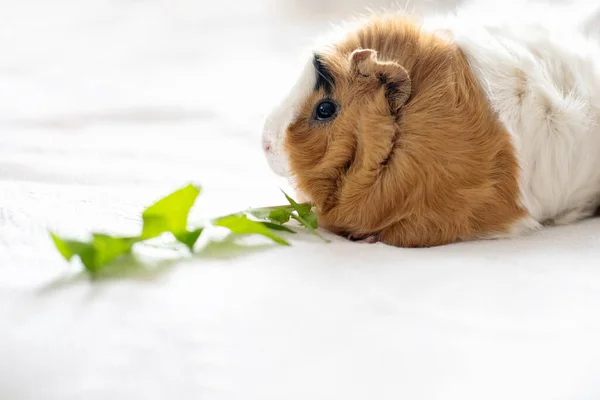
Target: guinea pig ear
[(391, 75), (363, 62)]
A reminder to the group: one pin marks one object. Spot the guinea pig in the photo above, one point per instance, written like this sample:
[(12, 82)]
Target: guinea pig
[(418, 133)]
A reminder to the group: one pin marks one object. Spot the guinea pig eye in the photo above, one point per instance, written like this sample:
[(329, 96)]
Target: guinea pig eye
[(325, 110)]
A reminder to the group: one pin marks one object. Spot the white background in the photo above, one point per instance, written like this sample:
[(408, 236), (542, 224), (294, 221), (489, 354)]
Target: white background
[(108, 105)]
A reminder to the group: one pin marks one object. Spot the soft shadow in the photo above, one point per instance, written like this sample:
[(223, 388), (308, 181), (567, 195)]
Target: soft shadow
[(133, 268), (231, 247), (63, 282), (125, 268)]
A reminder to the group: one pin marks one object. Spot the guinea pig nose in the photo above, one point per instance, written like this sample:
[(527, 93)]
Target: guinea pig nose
[(266, 146)]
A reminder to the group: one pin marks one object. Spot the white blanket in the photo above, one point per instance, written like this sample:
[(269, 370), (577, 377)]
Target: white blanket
[(107, 105)]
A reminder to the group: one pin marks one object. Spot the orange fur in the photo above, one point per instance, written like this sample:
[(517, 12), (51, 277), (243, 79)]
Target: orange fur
[(416, 157)]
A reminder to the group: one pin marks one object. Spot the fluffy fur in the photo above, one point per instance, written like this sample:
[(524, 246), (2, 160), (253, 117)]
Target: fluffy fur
[(462, 127)]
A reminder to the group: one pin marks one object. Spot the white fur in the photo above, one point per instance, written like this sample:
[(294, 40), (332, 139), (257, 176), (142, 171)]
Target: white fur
[(287, 110), (541, 72), (542, 76), (284, 114)]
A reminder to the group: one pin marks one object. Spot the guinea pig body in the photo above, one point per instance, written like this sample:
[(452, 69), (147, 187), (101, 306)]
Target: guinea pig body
[(457, 128)]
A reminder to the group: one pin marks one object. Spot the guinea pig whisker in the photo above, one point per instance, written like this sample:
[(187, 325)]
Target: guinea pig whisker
[(325, 79), (269, 120), (407, 4)]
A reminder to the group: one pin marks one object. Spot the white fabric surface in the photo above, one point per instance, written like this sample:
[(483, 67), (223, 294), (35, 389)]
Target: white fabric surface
[(107, 105)]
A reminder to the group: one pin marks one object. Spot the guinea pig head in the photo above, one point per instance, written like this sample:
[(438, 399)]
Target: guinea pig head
[(390, 136)]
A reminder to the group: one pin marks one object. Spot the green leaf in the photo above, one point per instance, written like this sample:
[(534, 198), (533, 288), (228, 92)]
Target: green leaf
[(303, 210), (277, 214), (305, 216), (64, 247), (170, 214), (102, 249), (280, 215), (275, 217), (307, 224), (277, 227), (71, 248), (109, 248), (241, 225), (189, 238), (309, 220)]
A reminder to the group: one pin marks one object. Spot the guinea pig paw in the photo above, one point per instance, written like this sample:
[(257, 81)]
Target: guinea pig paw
[(363, 239)]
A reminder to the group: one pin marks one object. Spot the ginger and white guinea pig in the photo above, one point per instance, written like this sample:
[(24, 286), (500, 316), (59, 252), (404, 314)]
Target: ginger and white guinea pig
[(480, 124)]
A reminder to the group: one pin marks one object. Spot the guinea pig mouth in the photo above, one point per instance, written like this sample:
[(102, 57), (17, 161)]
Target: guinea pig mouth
[(278, 167), (277, 161)]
